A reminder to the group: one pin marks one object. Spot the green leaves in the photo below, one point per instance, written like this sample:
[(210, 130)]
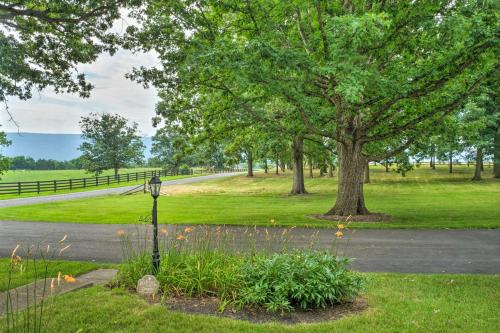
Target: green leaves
[(42, 42), (110, 142), (299, 279)]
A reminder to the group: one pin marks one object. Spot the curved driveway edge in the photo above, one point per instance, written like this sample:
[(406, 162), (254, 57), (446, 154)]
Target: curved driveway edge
[(406, 251), (106, 191)]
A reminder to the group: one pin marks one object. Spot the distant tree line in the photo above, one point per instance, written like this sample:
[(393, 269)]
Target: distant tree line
[(29, 163)]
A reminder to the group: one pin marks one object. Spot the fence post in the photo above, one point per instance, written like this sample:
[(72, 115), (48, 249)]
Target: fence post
[(70, 184), (84, 182), (55, 185), (128, 177), (18, 188), (96, 181), (38, 187), (108, 179)]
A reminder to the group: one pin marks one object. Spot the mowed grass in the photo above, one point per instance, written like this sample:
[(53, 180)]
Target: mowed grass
[(19, 278), (90, 187), (397, 303), (36, 175), (424, 199)]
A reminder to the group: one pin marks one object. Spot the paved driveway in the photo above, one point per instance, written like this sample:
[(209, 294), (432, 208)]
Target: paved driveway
[(422, 251)]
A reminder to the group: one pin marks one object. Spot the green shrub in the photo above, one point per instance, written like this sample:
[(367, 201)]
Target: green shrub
[(280, 282), (299, 279), (202, 273), (133, 269)]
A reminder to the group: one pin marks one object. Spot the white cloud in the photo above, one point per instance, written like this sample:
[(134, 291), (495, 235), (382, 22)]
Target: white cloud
[(49, 112)]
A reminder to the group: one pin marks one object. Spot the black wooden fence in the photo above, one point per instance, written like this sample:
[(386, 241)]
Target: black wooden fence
[(79, 183)]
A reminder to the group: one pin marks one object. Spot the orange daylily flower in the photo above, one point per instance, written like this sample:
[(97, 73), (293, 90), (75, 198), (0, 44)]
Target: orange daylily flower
[(339, 234), (69, 279), (181, 237), (188, 230)]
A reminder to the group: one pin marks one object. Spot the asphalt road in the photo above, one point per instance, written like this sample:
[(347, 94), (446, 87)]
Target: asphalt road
[(106, 191), (417, 251)]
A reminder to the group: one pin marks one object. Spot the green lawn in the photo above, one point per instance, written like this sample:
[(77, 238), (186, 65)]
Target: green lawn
[(90, 188), (28, 276), (35, 175), (424, 199), (397, 303)]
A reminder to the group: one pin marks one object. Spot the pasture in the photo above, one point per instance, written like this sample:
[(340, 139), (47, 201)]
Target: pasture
[(425, 198)]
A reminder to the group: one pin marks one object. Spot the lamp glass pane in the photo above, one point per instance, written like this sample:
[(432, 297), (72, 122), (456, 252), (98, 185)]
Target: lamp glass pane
[(155, 188)]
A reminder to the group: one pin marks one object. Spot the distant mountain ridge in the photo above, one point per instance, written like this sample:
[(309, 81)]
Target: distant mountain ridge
[(59, 147)]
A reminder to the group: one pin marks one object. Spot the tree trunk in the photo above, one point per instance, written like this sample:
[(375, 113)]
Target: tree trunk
[(116, 172), (265, 166), (298, 186), (350, 197), (310, 169), (330, 170), (249, 164), (277, 166), (367, 173), (450, 163), (282, 166), (479, 163), (386, 166), (433, 157), (496, 155)]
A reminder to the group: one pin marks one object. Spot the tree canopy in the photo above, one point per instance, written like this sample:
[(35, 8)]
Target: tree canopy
[(110, 142), (42, 42), (363, 73)]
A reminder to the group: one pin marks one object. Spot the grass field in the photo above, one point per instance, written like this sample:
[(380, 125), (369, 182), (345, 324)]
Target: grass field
[(424, 199), (31, 175), (54, 266), (35, 175), (397, 303)]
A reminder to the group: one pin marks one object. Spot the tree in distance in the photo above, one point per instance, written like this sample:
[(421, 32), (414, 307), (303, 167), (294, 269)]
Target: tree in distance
[(4, 161), (110, 142)]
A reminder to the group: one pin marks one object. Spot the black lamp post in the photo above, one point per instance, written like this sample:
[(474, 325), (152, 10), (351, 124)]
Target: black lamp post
[(155, 186)]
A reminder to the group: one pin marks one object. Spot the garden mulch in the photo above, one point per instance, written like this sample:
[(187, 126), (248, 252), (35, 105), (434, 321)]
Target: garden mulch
[(211, 306)]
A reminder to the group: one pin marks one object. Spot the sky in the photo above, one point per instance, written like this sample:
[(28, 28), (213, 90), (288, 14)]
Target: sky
[(48, 112)]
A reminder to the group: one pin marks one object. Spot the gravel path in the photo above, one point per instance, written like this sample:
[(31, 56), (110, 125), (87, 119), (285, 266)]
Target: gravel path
[(418, 251), (106, 191)]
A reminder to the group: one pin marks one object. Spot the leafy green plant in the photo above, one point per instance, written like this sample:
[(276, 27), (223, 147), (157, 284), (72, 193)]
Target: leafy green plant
[(298, 279), (195, 263)]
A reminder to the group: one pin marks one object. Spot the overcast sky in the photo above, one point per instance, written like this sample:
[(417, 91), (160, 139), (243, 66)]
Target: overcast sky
[(48, 112)]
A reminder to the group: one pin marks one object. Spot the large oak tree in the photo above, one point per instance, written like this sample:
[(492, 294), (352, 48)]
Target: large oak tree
[(362, 73)]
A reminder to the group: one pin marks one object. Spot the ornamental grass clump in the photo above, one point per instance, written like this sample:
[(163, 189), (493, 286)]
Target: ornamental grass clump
[(298, 279), (261, 271)]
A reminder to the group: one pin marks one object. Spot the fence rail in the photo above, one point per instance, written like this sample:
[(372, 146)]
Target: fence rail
[(79, 183)]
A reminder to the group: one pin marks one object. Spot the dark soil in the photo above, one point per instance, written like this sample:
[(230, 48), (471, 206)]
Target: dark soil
[(210, 306), (375, 217)]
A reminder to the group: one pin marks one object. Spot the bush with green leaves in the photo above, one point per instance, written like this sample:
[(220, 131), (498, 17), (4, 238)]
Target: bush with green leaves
[(195, 265), (201, 273), (278, 282), (299, 279)]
